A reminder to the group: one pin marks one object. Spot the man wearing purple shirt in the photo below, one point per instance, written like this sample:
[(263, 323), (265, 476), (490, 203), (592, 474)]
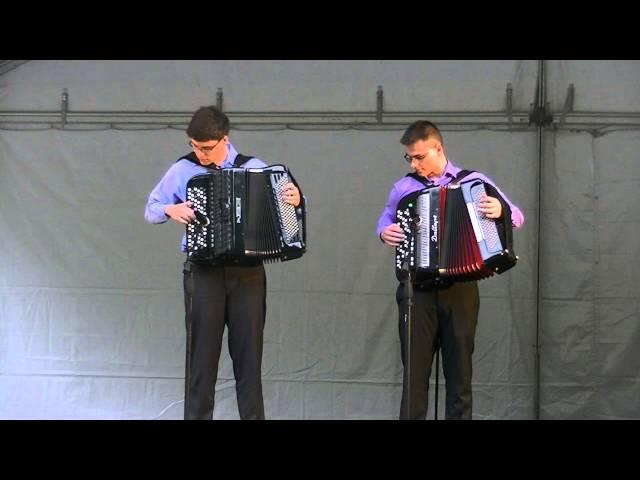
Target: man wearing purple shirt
[(216, 296), (444, 313)]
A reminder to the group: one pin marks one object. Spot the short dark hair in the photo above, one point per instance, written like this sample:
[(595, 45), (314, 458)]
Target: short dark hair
[(421, 130), (208, 123)]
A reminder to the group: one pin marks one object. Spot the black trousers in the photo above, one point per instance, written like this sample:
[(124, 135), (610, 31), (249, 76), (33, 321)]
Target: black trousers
[(214, 297), (448, 316)]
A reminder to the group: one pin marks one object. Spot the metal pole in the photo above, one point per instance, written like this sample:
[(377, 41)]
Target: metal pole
[(541, 119)]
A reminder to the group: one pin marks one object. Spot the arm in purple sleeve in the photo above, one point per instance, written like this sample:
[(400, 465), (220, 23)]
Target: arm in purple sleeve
[(388, 215), (517, 218)]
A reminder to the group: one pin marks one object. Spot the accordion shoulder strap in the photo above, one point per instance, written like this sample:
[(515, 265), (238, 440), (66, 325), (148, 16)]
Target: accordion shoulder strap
[(191, 156), (426, 182), (194, 159), (238, 162), (241, 160), (461, 174)]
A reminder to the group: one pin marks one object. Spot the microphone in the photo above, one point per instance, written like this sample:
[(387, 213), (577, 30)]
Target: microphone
[(201, 219)]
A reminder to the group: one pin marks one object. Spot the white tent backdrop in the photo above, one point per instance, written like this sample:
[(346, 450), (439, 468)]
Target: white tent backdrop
[(91, 312)]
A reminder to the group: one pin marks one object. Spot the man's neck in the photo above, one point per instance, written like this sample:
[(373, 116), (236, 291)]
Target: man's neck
[(212, 165), (438, 170)]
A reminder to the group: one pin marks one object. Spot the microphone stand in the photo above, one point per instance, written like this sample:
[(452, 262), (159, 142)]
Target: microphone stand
[(408, 317), (407, 325), (435, 413)]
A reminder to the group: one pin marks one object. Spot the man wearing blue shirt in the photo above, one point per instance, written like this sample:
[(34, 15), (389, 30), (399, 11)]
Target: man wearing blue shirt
[(216, 296), (446, 313)]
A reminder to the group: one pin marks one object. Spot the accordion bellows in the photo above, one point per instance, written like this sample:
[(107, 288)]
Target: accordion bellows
[(447, 237), (241, 218)]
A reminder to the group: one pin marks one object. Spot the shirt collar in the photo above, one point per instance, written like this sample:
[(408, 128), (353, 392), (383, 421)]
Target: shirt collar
[(232, 153), (450, 171)]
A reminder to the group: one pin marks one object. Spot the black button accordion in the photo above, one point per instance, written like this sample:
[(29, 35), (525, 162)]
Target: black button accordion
[(448, 238), (241, 218)]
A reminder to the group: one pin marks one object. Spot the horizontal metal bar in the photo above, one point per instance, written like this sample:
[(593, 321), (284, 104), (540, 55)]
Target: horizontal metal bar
[(297, 113), (282, 113), (317, 118), (261, 118)]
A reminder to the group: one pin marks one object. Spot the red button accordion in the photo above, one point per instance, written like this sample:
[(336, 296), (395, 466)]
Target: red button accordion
[(447, 237)]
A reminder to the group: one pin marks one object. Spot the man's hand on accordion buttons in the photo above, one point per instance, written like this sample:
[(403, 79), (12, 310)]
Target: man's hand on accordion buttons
[(392, 235), (490, 206), (181, 212), (291, 194)]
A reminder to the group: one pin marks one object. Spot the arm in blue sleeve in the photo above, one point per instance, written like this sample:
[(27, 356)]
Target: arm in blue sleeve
[(166, 192)]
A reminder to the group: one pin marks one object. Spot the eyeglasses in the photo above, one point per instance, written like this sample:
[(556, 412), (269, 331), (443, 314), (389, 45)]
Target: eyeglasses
[(408, 158), (205, 150)]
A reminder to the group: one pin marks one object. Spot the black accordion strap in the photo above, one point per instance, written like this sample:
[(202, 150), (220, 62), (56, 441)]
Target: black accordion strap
[(461, 174), (241, 160), (425, 181), (191, 156), (238, 162), (193, 159)]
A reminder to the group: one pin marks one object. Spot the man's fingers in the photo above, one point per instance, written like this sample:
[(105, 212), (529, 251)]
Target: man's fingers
[(393, 238), (395, 229)]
